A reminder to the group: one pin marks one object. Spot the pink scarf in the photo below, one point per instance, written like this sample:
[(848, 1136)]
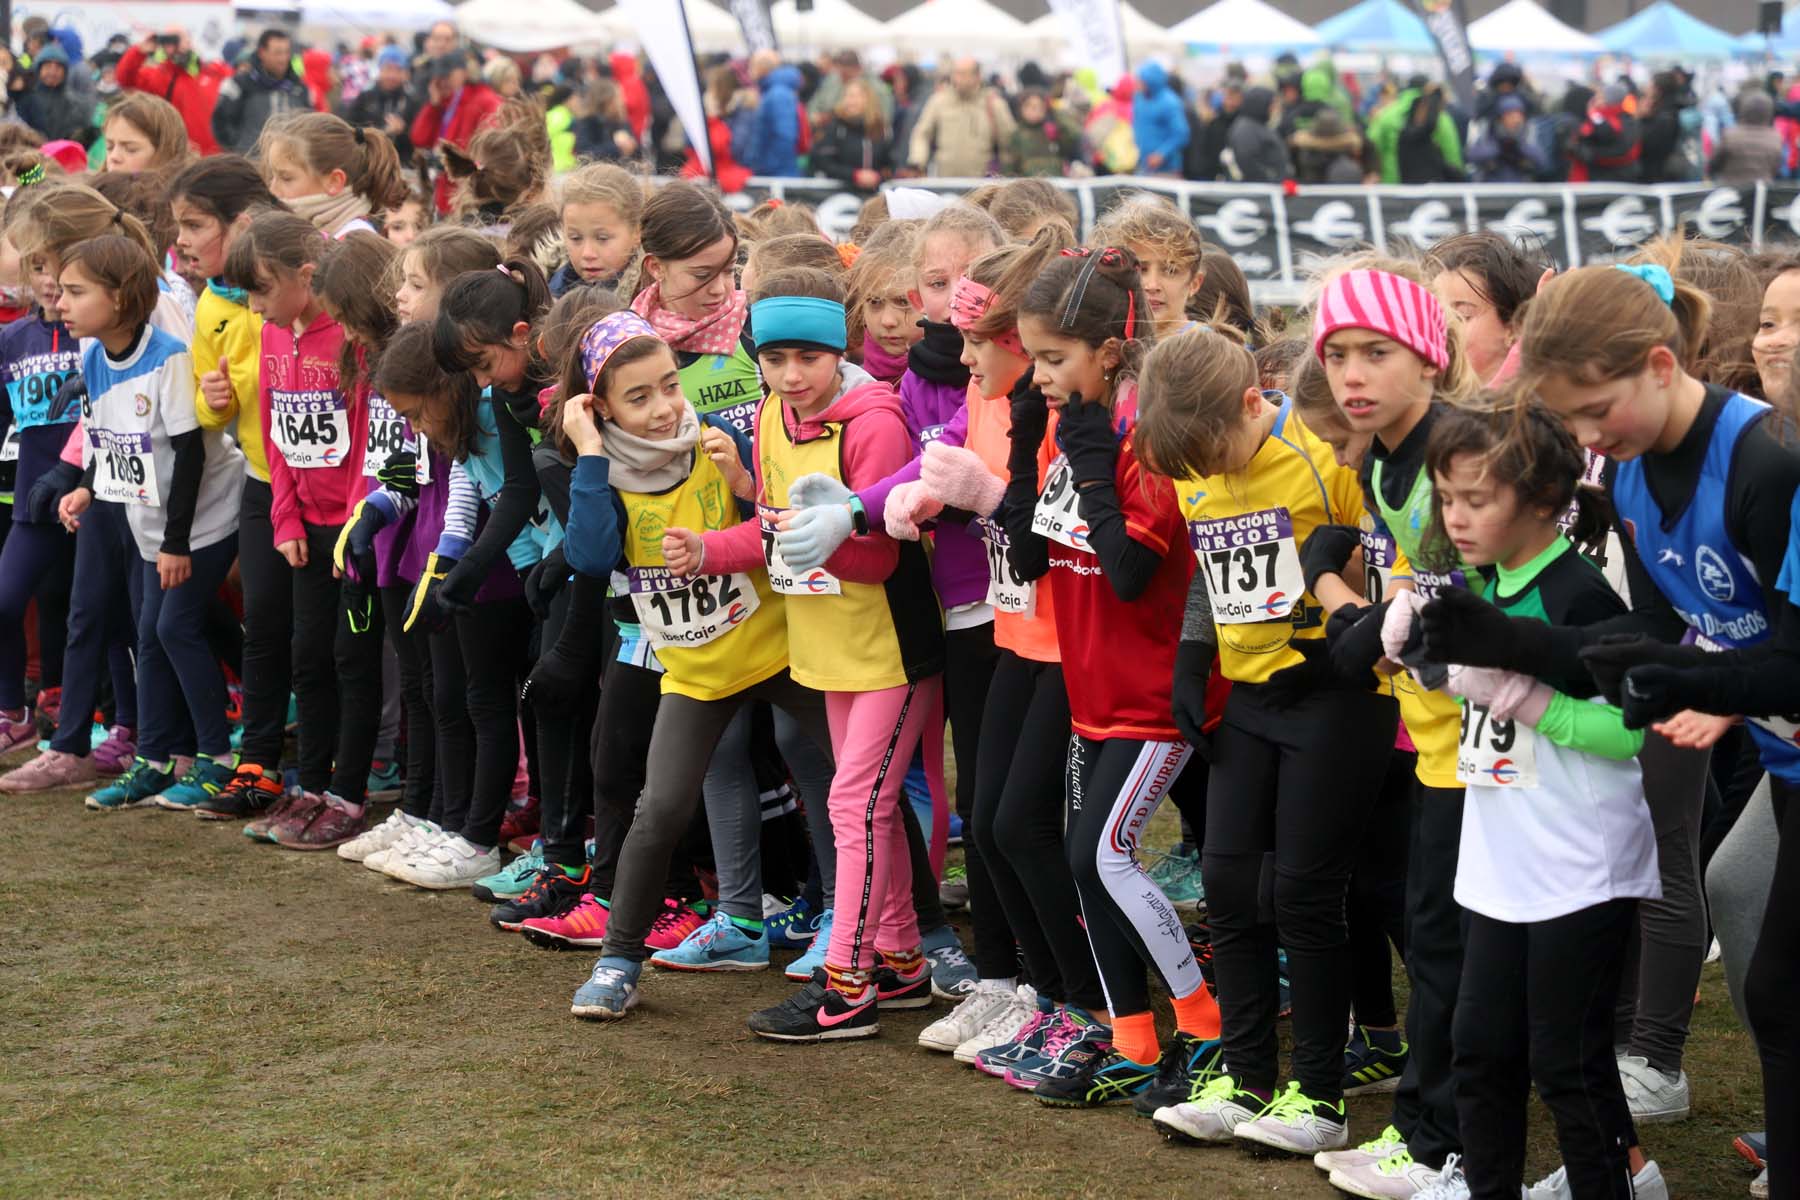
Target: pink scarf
[(878, 362), (715, 333)]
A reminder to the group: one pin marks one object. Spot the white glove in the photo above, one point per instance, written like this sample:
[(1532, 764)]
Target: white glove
[(812, 491), (1506, 695), (1397, 625), (814, 534)]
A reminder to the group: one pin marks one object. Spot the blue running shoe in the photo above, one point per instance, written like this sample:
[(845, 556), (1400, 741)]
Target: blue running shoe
[(610, 992), (511, 881), (137, 788), (1073, 1027), (385, 779), (1373, 1062), (1092, 1073), (793, 928), (1027, 1046), (802, 968), (718, 945), (203, 781), (955, 827), (953, 976)]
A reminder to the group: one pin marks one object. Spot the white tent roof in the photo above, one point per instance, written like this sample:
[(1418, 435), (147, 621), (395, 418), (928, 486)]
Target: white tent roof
[(832, 24), (713, 28), (1142, 35), (394, 15), (1522, 27), (539, 25), (1240, 24), (961, 25)]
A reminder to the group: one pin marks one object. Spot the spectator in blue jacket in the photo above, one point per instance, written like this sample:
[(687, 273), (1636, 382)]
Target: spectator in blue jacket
[(1158, 122), (775, 140)]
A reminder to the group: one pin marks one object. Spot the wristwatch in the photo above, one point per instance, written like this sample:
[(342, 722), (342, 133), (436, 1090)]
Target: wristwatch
[(859, 518)]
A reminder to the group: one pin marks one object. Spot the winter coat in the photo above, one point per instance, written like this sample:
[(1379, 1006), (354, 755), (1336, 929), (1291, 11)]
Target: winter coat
[(191, 86), (1502, 158), (372, 106), (1326, 152), (775, 143), (1434, 151), (594, 139), (1607, 147), (58, 112), (1046, 148), (249, 100), (1257, 149), (730, 174), (1158, 121), (455, 123), (843, 148), (1751, 149), (960, 137)]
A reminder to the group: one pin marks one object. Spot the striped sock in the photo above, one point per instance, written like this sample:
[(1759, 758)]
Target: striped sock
[(905, 963), (852, 983)]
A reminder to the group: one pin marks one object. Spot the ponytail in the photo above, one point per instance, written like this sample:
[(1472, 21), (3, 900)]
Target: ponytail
[(1009, 270), (480, 308), (323, 143)]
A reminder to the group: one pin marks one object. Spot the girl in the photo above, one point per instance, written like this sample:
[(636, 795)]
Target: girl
[(1109, 546), (880, 285), (403, 223), (1778, 332), (684, 288), (602, 209), (1223, 297), (1626, 393), (316, 436), (1254, 483), (661, 461), (864, 630), (852, 146), (1557, 844), (507, 168), (144, 133), (177, 483), (1485, 279), (332, 174), (768, 255), (1168, 250)]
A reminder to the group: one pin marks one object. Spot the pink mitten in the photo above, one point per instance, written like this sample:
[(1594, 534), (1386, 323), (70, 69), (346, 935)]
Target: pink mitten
[(909, 505), (1506, 695), (1397, 625), (960, 479)]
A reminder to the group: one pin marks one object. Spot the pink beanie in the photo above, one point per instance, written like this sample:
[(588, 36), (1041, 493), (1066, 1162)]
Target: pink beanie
[(1386, 304)]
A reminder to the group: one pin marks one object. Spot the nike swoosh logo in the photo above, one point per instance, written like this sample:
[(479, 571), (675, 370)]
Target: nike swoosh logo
[(829, 1022)]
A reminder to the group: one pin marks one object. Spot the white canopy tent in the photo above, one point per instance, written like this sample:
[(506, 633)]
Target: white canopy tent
[(1142, 35), (1242, 25), (960, 25), (395, 16), (711, 26), (832, 24), (1523, 28), (539, 25)]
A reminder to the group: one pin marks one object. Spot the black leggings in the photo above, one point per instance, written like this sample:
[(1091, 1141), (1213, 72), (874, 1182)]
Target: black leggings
[(268, 629), (1436, 926), (455, 735), (1377, 901), (316, 598), (1019, 827), (1536, 1007), (356, 651), (629, 700), (969, 659), (1769, 990), (1299, 781), (416, 700), (493, 637), (565, 776)]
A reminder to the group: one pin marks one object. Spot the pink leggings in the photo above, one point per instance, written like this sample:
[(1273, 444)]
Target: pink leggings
[(873, 735)]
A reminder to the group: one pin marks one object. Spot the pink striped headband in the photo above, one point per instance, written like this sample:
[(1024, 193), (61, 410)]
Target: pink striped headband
[(1386, 304), (969, 302)]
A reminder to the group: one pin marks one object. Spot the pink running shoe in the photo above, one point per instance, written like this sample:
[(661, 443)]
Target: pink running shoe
[(48, 771), (113, 756), (672, 925), (17, 731), (583, 925)]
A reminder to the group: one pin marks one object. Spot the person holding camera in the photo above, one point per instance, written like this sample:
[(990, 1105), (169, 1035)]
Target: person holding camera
[(166, 65)]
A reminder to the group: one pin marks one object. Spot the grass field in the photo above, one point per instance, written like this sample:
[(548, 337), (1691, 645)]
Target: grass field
[(188, 1014)]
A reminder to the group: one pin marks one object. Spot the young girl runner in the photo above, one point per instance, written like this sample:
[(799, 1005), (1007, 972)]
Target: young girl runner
[(881, 290), (177, 483), (403, 223), (1254, 483), (333, 174), (1485, 279), (1168, 249), (144, 132), (602, 210)]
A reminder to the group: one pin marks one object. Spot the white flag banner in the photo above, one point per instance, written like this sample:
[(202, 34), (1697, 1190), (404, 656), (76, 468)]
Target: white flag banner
[(662, 27), (758, 28), (1096, 36)]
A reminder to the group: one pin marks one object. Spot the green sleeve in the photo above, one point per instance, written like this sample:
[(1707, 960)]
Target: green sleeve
[(1447, 141), (1596, 729)]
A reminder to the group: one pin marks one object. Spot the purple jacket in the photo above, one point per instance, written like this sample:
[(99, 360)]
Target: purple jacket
[(428, 524), (937, 411)]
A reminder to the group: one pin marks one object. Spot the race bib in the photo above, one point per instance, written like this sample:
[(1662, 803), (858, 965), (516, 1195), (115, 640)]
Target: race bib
[(388, 436), (312, 429), (930, 434), (9, 449), (1495, 753), (1058, 513), (1430, 583), (1378, 564), (691, 611), (1006, 591), (786, 580), (124, 471), (1252, 565), (741, 415)]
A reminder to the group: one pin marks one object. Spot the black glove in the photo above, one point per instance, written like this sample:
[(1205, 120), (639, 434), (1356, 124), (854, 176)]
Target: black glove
[(48, 491), (1461, 627), (357, 541), (1030, 414), (1326, 552), (545, 580), (1612, 656), (1088, 439), (357, 593), (574, 663), (423, 608), (457, 593), (1193, 664), (1652, 692), (1353, 634), (1290, 685), (400, 474)]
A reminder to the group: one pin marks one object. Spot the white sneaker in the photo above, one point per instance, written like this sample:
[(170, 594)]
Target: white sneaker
[(407, 843), (1759, 1187), (1000, 1028), (1212, 1116), (381, 837), (1449, 1184), (980, 1006), (1396, 1177), (1647, 1184), (1298, 1125), (453, 863), (1369, 1153), (1655, 1096), (1713, 952)]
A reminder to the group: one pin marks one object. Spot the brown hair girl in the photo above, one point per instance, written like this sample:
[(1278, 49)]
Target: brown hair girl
[(325, 144), (349, 284), (1190, 399), (680, 221), (154, 121)]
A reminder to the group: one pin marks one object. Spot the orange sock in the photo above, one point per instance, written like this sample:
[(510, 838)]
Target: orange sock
[(1198, 1014), (1134, 1036)]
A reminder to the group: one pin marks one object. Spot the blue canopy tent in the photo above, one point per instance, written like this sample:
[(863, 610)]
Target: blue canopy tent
[(1665, 31), (1380, 26)]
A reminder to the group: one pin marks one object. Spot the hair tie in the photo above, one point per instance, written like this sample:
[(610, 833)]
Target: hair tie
[(1659, 279), (1072, 309), (118, 217), (773, 202), (360, 139), (32, 174)]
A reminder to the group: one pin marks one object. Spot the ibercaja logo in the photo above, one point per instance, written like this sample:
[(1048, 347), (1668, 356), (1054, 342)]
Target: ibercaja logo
[(1274, 604), (815, 581), (1079, 535), (329, 456), (1503, 772), (736, 614)]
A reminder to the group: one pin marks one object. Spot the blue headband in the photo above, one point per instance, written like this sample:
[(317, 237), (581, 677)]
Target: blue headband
[(798, 321), (1657, 277)]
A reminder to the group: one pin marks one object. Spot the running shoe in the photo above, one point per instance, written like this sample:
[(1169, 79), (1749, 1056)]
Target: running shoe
[(967, 1019), (18, 731), (397, 826), (953, 976), (48, 708), (455, 862), (551, 894), (953, 893), (1297, 1124), (1002, 1028), (1396, 1177), (203, 781), (894, 990), (1646, 1184), (262, 829), (1371, 1068), (333, 823), (1759, 1187), (421, 834), (49, 771), (1754, 1147), (116, 750), (385, 780), (1063, 1037), (1094, 1074), (1212, 1117), (249, 792), (610, 991), (718, 945), (1370, 1152), (1187, 1064), (953, 831), (1177, 873), (1449, 1185), (583, 925), (511, 881), (814, 958), (521, 820), (296, 818), (1655, 1097), (677, 919), (792, 926), (1025, 1046), (817, 1013), (137, 788)]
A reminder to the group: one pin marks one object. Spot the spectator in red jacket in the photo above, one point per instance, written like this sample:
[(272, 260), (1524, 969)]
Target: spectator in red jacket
[(454, 110), (637, 95), (165, 65)]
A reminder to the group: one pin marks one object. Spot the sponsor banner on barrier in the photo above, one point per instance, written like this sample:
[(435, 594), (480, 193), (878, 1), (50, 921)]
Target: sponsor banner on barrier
[(1274, 234)]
